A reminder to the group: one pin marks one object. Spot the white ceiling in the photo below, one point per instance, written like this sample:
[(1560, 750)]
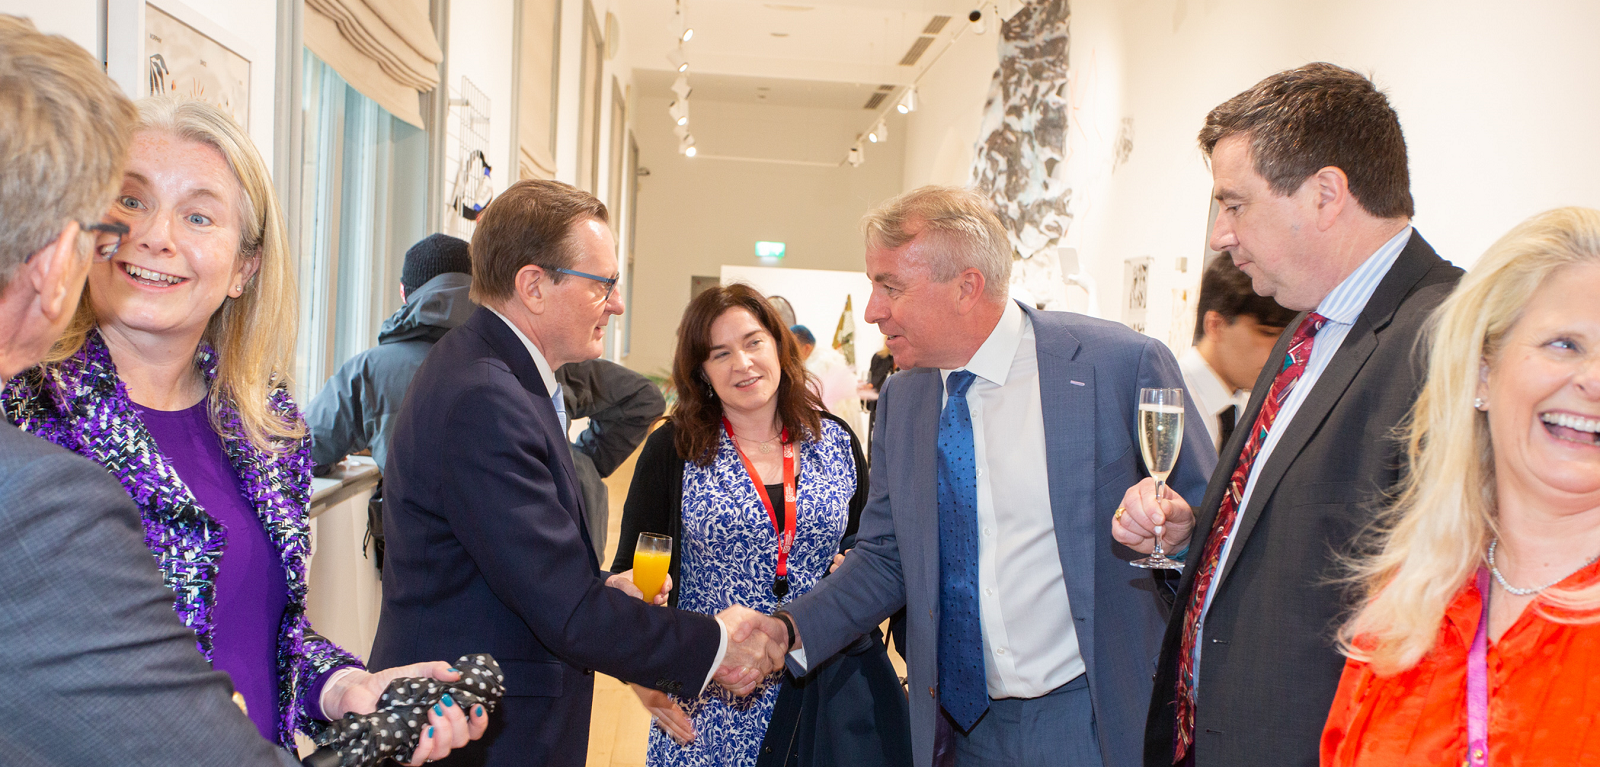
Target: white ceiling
[(815, 94), (840, 41)]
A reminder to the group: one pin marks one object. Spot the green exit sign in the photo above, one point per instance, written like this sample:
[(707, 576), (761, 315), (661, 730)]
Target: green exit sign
[(769, 249)]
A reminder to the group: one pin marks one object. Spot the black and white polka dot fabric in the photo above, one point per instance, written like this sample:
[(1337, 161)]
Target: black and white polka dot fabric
[(402, 715)]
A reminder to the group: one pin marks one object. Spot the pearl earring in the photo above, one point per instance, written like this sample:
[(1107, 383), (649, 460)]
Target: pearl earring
[(1477, 403)]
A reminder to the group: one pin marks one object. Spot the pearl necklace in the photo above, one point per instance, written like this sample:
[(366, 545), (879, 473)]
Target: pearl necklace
[(1495, 571)]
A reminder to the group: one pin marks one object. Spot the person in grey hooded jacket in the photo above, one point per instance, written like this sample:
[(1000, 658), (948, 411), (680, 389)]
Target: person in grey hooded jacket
[(354, 411)]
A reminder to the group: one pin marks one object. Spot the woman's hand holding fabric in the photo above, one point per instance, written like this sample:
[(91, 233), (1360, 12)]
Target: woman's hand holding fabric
[(668, 714), (449, 727)]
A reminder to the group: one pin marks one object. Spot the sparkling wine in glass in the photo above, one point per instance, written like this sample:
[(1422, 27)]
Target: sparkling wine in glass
[(1160, 437)]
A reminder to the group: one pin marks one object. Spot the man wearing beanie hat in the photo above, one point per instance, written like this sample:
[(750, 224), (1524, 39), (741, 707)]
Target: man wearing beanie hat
[(355, 410)]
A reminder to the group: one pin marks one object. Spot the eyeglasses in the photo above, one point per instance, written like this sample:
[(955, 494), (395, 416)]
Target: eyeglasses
[(609, 282), (108, 238)]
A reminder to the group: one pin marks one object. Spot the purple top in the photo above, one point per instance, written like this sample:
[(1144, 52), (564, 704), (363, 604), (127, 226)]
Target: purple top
[(251, 589)]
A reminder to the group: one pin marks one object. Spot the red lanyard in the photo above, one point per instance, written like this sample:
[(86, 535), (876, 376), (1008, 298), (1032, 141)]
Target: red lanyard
[(780, 584)]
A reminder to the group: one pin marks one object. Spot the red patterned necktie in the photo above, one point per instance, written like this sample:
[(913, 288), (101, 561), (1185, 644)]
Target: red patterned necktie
[(1294, 363)]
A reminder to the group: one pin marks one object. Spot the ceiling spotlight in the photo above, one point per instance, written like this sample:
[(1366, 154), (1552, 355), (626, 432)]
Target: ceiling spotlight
[(678, 60), (686, 145), (681, 87), (908, 102), (978, 24), (690, 152), (856, 156), (679, 112), (879, 133), (688, 34)]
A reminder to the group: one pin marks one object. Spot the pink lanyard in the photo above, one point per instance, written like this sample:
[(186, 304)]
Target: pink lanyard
[(1478, 684)]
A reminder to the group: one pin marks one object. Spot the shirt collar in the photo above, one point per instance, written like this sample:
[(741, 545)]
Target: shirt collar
[(545, 372), (1208, 386), (992, 361), (1345, 302)]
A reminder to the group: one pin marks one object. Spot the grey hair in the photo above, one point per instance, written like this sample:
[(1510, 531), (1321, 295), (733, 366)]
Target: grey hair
[(961, 227)]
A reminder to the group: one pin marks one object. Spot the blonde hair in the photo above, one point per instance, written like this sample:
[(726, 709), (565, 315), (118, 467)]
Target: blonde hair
[(254, 334), (1433, 538), (965, 233), (64, 139)]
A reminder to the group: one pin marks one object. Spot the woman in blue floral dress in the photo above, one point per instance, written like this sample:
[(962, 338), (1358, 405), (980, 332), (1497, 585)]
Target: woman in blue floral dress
[(714, 477)]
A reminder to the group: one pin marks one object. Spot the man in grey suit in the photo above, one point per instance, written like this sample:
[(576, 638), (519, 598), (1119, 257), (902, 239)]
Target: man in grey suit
[(98, 669), (1032, 642)]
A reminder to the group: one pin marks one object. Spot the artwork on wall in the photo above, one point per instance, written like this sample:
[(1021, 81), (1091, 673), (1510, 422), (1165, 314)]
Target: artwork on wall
[(1135, 292), (185, 62), (1020, 162)]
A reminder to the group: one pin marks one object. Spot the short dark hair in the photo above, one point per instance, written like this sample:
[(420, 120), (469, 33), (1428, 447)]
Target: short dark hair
[(529, 223), (804, 334), (1300, 121), (1225, 289), (697, 416)]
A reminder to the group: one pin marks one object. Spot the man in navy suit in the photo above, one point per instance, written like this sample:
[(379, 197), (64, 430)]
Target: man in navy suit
[(998, 460), (487, 547)]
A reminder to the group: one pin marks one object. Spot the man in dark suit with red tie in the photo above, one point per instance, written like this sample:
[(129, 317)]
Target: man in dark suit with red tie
[(1314, 203), (487, 546)]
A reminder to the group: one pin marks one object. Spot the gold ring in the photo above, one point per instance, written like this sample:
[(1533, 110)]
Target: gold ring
[(1120, 510)]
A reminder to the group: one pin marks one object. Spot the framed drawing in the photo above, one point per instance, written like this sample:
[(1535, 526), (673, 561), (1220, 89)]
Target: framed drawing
[(183, 61), (164, 46)]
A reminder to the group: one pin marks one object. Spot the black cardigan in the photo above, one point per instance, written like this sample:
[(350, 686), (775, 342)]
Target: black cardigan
[(655, 499)]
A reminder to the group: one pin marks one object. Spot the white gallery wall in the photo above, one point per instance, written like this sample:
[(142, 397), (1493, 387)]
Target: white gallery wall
[(941, 134), (1496, 100), (697, 214)]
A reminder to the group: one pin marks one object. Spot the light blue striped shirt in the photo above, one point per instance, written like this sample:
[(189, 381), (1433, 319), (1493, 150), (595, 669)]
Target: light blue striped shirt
[(1341, 306)]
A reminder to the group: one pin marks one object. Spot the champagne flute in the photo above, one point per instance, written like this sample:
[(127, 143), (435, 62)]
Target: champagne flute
[(1160, 437), (651, 557)]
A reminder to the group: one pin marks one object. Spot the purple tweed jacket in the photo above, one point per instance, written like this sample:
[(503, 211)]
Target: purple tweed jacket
[(81, 405)]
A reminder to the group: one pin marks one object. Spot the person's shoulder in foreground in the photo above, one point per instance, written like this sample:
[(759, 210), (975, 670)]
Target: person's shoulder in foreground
[(99, 669)]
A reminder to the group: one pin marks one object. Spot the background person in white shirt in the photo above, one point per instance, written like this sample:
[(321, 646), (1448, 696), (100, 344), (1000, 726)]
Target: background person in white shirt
[(1031, 641), (1234, 332), (832, 377)]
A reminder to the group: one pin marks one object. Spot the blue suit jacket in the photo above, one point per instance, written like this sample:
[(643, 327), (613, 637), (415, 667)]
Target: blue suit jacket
[(487, 551), (1090, 373)]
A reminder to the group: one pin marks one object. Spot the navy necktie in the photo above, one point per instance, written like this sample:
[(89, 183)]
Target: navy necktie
[(963, 691)]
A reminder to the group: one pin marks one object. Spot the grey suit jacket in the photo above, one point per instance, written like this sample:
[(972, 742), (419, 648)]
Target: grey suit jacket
[(97, 668), (1090, 373)]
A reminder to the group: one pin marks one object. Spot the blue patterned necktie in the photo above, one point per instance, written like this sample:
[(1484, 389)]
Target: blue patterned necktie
[(963, 691)]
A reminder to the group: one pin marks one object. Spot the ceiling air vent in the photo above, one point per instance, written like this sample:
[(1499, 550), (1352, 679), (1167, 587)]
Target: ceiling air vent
[(917, 49), (935, 26), (875, 100)]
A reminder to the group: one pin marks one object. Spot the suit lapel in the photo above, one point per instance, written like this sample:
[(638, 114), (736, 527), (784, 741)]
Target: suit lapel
[(1067, 391), (921, 477), (508, 348), (1408, 269)]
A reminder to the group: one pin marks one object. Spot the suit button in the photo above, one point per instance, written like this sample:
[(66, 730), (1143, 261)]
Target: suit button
[(931, 693)]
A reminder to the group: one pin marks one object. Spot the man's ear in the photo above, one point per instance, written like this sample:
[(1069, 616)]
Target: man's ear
[(532, 288), (1332, 189), (1213, 323), (56, 273), (969, 286)]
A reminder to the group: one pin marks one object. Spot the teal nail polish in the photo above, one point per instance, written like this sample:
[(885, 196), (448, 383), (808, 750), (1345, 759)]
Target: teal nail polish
[(447, 700), (453, 670), (430, 732), (438, 710), (477, 711)]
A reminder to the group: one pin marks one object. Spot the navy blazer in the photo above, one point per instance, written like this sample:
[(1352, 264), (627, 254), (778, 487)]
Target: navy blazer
[(487, 551), (1090, 373)]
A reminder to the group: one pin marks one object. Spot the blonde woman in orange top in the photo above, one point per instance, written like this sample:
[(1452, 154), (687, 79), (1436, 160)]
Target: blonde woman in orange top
[(1502, 505)]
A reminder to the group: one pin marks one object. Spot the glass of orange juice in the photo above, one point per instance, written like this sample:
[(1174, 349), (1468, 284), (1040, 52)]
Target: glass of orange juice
[(650, 560)]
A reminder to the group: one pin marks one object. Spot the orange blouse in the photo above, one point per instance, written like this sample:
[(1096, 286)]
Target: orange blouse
[(1544, 697)]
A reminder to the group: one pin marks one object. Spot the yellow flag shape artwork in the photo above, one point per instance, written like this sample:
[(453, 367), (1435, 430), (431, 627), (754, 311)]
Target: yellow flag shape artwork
[(844, 337)]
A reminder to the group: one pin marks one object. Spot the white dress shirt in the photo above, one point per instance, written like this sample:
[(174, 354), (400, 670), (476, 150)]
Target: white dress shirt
[(1341, 306), (1211, 395), (550, 385), (1030, 644)]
